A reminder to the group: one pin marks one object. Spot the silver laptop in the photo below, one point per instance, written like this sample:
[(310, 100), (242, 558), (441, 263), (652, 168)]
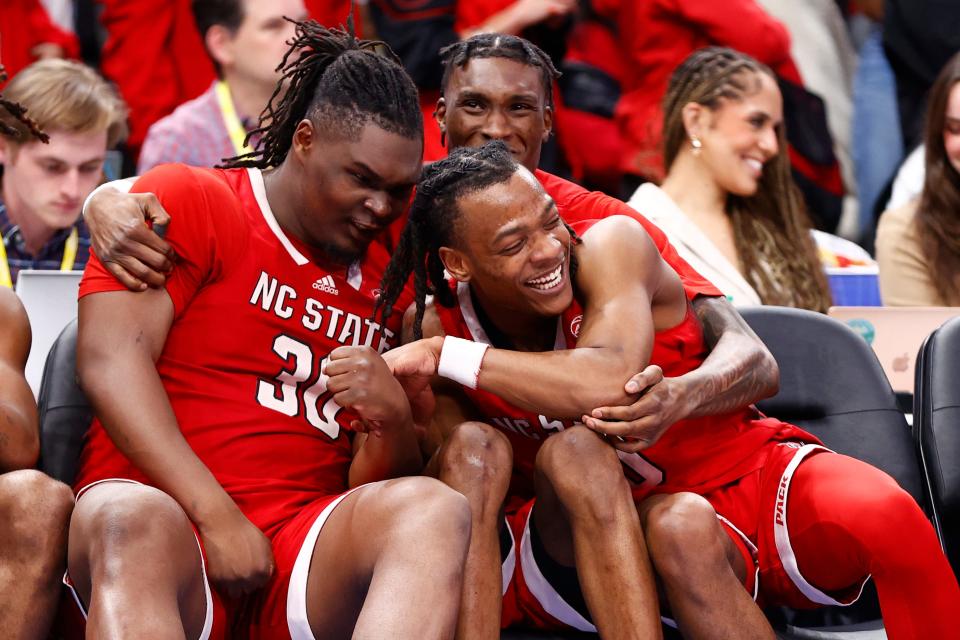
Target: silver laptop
[(50, 298), (895, 333)]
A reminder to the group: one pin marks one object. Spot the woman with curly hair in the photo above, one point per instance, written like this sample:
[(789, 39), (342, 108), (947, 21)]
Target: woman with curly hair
[(918, 244)]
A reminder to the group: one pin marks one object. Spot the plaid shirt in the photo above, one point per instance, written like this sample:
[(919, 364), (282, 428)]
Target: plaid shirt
[(194, 134), (50, 255)]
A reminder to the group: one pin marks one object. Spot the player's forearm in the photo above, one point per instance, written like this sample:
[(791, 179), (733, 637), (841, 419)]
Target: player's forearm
[(392, 454), (563, 384), (739, 369), (130, 401)]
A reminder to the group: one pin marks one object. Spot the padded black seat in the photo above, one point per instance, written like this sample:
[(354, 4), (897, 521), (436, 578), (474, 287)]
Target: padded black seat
[(65, 413), (832, 385), (936, 426)]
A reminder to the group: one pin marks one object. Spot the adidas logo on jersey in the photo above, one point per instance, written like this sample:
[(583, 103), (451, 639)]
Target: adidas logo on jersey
[(326, 284)]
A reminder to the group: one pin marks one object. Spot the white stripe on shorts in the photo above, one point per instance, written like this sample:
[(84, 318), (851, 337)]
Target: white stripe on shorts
[(781, 535), (543, 591)]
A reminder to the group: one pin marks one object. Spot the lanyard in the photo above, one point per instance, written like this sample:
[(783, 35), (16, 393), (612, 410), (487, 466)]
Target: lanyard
[(234, 127), (69, 258)]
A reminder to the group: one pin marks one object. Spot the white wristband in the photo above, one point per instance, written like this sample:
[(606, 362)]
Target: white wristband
[(460, 360)]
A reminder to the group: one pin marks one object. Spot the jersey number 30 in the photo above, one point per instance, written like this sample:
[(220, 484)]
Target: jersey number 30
[(281, 393)]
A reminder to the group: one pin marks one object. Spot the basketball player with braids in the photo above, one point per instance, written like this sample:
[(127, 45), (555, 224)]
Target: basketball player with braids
[(236, 481), (537, 326)]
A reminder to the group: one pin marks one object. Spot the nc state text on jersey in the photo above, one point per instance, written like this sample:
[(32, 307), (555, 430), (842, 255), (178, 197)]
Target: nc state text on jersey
[(345, 327)]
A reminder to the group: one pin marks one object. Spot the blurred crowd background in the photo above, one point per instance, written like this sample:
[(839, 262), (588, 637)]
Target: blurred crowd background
[(855, 79)]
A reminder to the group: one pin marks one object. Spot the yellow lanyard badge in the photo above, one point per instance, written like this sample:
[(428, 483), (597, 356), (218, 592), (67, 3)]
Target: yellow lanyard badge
[(66, 264), (234, 127)]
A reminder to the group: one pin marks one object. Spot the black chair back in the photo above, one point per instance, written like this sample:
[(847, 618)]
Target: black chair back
[(832, 385), (65, 413), (936, 425)]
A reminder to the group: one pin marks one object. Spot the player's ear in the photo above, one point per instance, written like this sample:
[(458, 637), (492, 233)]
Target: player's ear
[(456, 264), (304, 137), (440, 115)]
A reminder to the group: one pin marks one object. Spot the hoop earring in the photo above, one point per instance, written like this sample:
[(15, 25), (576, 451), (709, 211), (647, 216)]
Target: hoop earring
[(443, 138), (696, 144)]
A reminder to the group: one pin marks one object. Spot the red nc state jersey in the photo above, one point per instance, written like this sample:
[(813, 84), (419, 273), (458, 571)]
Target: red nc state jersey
[(255, 320), (696, 454)]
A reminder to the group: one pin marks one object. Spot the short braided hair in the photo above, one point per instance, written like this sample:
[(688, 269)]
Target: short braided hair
[(433, 223), (341, 83), (497, 45)]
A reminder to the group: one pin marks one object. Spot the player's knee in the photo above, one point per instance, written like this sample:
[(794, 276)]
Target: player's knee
[(35, 507), (133, 521), (578, 460), (679, 527), (477, 454), (429, 504)]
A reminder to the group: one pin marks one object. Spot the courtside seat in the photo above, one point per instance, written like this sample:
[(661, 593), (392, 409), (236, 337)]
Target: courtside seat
[(65, 413), (936, 425), (832, 385)]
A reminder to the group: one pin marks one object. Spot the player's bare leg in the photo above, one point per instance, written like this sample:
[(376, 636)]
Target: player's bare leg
[(388, 563), (34, 512), (585, 515), (477, 461), (701, 570), (134, 561)]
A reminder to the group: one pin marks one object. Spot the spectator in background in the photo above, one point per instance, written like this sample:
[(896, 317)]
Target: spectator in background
[(876, 144), (657, 35), (820, 45), (918, 244), (44, 185), (155, 57), (919, 36), (417, 33), (28, 34), (246, 40), (728, 203), (34, 509)]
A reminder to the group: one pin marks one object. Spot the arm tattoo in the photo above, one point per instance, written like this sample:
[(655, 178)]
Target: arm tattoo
[(739, 370)]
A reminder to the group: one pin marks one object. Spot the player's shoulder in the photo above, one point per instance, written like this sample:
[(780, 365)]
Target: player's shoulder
[(615, 230)]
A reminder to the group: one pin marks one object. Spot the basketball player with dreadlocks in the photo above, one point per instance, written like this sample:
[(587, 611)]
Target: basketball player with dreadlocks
[(537, 326), (245, 407)]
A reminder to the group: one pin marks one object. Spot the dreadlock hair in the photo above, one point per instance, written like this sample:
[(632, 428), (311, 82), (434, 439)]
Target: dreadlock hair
[(433, 223), (937, 220), (497, 45), (340, 83), (771, 228), (19, 115)]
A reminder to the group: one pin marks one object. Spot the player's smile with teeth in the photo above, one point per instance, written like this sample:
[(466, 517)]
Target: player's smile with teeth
[(549, 281)]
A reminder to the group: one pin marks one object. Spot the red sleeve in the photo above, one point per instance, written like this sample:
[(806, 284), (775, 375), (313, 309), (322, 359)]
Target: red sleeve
[(42, 29), (156, 56), (577, 205), (207, 229), (741, 25)]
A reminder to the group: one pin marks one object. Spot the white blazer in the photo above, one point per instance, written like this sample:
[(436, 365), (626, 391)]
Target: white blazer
[(692, 245)]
